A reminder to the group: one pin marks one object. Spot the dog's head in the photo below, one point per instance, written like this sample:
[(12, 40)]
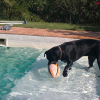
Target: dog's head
[(53, 55)]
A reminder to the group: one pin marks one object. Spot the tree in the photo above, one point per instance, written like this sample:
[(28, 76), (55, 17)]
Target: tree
[(66, 11)]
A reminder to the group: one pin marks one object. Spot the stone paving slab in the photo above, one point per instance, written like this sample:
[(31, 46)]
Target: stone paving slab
[(39, 42), (53, 33)]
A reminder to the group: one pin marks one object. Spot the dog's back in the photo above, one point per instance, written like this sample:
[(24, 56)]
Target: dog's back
[(79, 48)]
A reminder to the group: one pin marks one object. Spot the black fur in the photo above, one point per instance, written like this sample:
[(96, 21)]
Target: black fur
[(72, 51)]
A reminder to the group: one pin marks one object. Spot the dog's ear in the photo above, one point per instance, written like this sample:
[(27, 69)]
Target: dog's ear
[(45, 53)]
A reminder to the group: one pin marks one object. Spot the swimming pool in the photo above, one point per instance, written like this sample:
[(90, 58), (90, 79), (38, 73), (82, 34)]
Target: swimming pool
[(14, 64), (24, 76)]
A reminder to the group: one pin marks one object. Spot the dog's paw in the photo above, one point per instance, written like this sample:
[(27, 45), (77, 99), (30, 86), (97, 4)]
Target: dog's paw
[(65, 73)]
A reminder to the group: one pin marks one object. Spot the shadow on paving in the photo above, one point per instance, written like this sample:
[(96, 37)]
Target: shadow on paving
[(76, 33)]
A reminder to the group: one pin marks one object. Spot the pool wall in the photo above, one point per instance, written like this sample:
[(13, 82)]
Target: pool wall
[(38, 42)]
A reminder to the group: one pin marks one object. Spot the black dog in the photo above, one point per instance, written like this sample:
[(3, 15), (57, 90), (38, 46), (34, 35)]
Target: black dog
[(71, 51)]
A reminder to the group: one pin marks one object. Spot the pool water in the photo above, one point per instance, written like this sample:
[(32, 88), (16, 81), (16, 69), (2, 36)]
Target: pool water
[(14, 64), (24, 76)]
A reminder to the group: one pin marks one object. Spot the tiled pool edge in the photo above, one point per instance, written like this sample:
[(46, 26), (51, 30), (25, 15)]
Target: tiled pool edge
[(38, 42)]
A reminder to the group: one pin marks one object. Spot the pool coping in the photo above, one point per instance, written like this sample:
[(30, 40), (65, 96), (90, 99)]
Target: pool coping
[(43, 38), (39, 42)]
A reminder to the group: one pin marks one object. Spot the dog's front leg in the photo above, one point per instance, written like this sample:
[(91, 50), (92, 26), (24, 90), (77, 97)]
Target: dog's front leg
[(66, 69)]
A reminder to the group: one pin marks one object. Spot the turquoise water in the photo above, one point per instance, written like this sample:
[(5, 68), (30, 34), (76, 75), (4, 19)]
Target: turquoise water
[(14, 64), (24, 76)]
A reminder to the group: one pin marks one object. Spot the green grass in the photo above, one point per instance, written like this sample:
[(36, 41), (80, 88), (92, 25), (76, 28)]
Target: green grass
[(62, 26)]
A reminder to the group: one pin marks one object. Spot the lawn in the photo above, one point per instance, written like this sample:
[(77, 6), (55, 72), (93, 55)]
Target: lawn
[(62, 26)]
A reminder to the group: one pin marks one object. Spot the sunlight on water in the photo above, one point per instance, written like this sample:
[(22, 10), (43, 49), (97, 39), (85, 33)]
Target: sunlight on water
[(36, 83)]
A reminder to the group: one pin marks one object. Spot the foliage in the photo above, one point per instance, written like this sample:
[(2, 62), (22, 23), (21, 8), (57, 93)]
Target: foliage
[(66, 11)]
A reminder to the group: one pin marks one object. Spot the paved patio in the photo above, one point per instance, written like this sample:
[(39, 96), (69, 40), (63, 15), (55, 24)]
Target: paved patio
[(53, 33)]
